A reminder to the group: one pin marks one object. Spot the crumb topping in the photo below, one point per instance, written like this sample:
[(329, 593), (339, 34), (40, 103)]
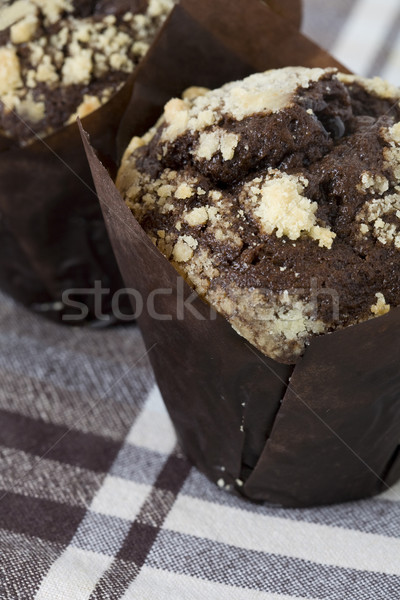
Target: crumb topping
[(260, 93), (380, 307), (374, 219), (279, 204), (10, 73), (184, 247), (215, 141), (184, 191), (54, 55), (197, 216), (373, 183), (16, 12), (375, 85)]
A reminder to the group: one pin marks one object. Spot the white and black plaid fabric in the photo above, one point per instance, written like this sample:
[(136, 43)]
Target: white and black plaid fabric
[(97, 501)]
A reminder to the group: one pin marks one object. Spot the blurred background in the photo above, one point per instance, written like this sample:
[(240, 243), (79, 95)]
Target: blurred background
[(363, 34)]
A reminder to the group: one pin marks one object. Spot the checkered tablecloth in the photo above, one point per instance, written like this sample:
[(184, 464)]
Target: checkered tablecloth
[(97, 501)]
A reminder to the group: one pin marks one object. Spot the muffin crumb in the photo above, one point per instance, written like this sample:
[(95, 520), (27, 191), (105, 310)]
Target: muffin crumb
[(281, 207), (380, 307)]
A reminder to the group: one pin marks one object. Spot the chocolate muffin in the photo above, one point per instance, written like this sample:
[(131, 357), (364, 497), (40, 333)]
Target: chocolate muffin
[(277, 198), (62, 59)]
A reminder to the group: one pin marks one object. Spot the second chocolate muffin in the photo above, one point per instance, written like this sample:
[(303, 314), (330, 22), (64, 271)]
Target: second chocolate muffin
[(277, 198), (66, 58)]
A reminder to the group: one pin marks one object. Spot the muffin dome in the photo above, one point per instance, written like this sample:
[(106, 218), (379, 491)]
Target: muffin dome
[(277, 198)]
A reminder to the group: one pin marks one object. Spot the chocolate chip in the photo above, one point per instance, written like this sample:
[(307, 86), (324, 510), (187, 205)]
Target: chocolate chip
[(335, 126)]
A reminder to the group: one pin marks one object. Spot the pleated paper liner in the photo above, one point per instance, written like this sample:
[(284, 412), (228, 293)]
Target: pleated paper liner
[(51, 225), (321, 431)]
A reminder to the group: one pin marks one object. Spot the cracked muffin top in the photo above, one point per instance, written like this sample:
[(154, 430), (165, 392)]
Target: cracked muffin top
[(278, 199), (60, 59)]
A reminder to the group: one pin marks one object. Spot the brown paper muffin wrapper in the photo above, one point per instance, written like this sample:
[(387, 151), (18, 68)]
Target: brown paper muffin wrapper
[(321, 431), (52, 232)]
